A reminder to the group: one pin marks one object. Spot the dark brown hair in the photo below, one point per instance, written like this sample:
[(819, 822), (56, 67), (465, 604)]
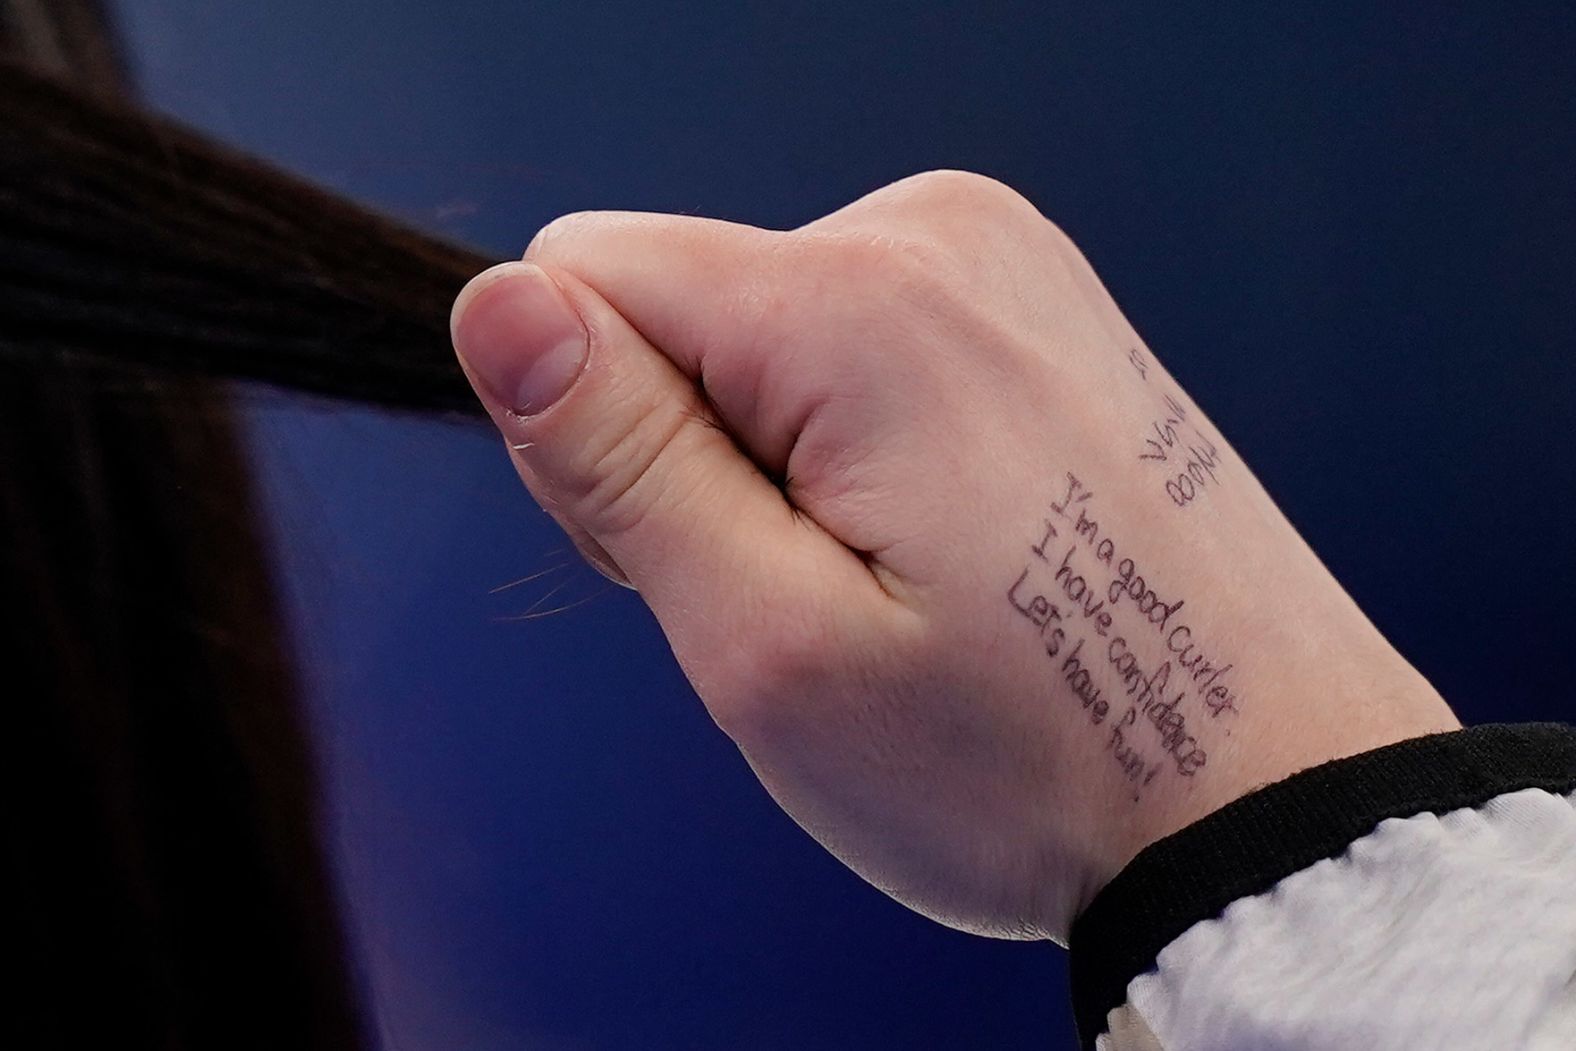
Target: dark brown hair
[(163, 813)]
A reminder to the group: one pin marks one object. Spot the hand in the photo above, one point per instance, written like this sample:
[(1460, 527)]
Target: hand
[(984, 598)]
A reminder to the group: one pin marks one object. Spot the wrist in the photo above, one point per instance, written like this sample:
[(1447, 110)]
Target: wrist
[(1372, 703)]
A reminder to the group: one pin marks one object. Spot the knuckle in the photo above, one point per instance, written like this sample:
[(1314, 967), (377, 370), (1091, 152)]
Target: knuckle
[(787, 660), (559, 229), (937, 226), (953, 188), (758, 687), (979, 210), (608, 489)]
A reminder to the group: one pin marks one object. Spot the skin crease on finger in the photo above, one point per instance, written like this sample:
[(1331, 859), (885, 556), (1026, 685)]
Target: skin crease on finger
[(1098, 626)]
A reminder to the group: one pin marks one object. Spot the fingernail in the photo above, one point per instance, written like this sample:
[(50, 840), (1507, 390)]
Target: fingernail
[(522, 342), (598, 558)]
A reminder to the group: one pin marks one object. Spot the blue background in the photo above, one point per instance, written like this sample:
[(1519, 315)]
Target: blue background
[(1348, 230)]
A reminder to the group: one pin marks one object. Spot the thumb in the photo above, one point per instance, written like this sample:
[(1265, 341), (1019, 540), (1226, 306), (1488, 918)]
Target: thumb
[(617, 442)]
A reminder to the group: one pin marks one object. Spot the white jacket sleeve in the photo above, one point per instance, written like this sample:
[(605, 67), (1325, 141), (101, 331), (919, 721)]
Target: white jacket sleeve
[(1418, 896)]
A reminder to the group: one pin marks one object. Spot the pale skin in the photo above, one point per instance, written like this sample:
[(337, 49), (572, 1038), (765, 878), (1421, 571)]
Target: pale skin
[(822, 456)]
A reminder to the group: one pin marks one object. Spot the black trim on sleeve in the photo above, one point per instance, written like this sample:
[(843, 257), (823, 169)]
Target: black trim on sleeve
[(1249, 845)]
